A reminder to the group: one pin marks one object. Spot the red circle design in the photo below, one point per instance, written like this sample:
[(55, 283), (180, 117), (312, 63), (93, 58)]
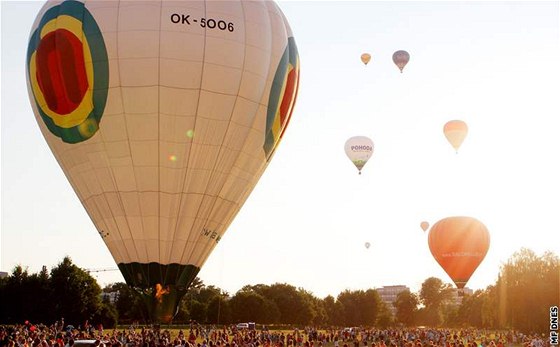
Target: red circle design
[(61, 71)]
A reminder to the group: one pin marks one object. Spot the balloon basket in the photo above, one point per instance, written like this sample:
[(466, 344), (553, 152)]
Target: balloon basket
[(162, 302)]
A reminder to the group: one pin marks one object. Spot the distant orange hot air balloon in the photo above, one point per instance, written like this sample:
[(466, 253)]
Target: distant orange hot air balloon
[(455, 131), (424, 225), (459, 244), (366, 57)]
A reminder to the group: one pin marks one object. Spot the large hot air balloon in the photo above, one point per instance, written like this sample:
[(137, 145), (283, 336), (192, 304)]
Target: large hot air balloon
[(163, 115), (455, 131), (459, 244), (424, 225), (401, 58), (359, 149), (366, 57)]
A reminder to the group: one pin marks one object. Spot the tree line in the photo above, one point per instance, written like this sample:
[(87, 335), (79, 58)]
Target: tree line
[(527, 286), (66, 291)]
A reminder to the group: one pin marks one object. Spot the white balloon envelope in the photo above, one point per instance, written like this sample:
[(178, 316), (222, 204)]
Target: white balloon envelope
[(163, 116), (359, 149), (455, 132)]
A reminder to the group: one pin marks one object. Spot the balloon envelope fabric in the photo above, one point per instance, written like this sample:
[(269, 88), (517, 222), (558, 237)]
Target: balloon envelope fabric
[(163, 115)]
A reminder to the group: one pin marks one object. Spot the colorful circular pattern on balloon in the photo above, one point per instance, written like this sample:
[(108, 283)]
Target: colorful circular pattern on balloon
[(282, 97), (70, 100)]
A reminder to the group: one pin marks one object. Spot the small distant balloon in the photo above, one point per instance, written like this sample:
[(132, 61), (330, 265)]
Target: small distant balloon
[(367, 244), (424, 225), (172, 157), (455, 131), (366, 57), (401, 58), (190, 133), (359, 149)]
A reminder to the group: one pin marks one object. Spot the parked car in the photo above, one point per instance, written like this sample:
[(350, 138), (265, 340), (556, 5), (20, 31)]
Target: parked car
[(241, 326)]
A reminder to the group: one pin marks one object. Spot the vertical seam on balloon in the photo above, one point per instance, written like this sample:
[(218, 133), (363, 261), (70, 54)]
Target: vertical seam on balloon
[(184, 180), (215, 198), (117, 60), (92, 86), (118, 193), (212, 244), (258, 173), (104, 195), (162, 277), (102, 143)]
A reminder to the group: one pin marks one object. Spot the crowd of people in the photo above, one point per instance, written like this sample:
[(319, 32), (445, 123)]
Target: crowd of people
[(61, 335)]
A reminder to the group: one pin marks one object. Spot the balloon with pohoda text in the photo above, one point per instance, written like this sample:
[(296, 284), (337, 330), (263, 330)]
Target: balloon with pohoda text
[(359, 149), (401, 58), (455, 132), (459, 244), (163, 115)]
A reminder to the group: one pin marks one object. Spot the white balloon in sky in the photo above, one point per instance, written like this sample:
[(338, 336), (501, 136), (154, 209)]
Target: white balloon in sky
[(359, 149)]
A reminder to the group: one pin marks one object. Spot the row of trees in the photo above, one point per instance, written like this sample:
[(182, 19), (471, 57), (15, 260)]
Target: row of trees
[(66, 291), (528, 285), (278, 303)]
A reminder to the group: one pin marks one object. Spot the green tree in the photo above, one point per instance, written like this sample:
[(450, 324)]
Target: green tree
[(307, 310), (128, 304), (219, 311), (197, 311), (196, 304), (470, 312), (249, 306), (450, 314), (529, 285), (359, 307), (321, 317), (26, 297), (106, 314), (384, 317), (373, 307), (490, 309), (332, 310), (350, 312), (75, 294), (433, 294), (293, 305), (407, 307), (12, 298), (34, 291)]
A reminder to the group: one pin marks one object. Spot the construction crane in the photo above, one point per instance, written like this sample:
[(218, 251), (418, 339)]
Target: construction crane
[(102, 270)]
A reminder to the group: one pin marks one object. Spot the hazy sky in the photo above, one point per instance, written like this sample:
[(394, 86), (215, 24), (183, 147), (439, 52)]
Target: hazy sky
[(492, 64)]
